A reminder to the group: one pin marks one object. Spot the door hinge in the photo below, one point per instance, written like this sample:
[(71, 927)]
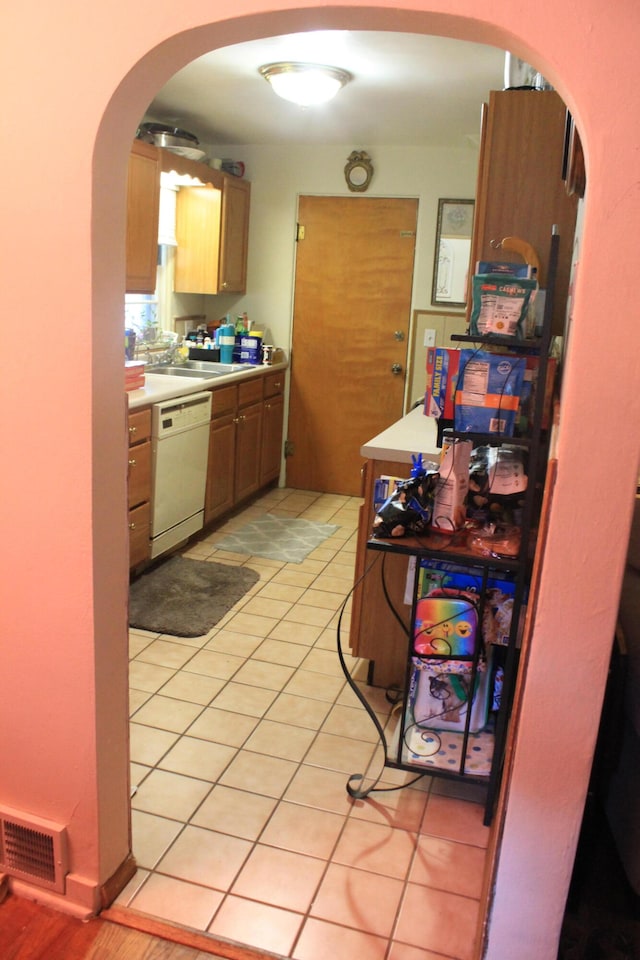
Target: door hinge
[(299, 232), (288, 448)]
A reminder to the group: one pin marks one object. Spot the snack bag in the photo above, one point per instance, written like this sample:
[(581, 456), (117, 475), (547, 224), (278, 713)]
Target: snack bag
[(500, 304), (488, 392), (497, 484), (410, 507)]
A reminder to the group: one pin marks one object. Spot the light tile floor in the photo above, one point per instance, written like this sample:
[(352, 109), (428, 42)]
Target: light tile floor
[(242, 742)]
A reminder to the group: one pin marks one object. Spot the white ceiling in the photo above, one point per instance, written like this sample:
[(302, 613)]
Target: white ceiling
[(407, 90)]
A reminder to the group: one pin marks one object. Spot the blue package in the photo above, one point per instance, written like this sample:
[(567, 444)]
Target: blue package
[(488, 392)]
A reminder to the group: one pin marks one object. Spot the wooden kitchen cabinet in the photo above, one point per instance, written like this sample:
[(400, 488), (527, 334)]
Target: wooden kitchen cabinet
[(234, 235), (248, 438), (212, 229), (272, 427), (520, 190), (233, 471), (139, 485), (143, 204), (219, 495), (375, 633)]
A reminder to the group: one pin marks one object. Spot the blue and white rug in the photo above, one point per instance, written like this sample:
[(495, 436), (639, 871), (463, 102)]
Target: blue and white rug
[(290, 539)]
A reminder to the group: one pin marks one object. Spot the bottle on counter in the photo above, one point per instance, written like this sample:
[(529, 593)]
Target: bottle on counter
[(227, 341)]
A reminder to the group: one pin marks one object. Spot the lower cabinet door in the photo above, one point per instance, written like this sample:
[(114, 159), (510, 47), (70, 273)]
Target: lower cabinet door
[(139, 529), (272, 424), (248, 437), (139, 474), (219, 497)]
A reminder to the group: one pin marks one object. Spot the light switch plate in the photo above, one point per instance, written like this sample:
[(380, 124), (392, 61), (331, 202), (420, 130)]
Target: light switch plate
[(429, 337)]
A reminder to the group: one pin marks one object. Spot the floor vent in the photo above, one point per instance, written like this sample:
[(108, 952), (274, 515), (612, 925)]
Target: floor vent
[(34, 850)]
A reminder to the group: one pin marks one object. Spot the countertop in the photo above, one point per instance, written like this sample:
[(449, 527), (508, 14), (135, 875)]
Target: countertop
[(158, 387), (413, 434)]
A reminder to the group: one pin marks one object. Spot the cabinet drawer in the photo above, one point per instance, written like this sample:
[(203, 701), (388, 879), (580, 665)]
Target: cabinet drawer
[(249, 392), (139, 473), (139, 528), (224, 401), (139, 425), (274, 384)]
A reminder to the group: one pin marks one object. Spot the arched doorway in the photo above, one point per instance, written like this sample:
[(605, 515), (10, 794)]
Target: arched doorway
[(73, 231)]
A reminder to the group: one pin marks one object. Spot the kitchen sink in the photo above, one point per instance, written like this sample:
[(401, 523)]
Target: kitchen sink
[(199, 369), (179, 372), (213, 366)]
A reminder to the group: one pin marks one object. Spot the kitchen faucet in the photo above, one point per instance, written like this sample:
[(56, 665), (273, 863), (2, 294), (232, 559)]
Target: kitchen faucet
[(170, 357)]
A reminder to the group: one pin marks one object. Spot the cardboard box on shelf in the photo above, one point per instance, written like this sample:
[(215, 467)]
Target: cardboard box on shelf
[(442, 374)]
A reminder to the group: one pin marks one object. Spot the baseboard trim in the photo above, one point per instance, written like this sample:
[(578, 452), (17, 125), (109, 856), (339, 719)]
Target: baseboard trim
[(186, 937), (117, 881)]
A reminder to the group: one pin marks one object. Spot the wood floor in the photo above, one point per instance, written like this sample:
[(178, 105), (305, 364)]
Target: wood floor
[(29, 931)]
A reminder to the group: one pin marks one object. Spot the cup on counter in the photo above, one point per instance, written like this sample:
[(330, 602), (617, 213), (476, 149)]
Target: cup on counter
[(267, 354)]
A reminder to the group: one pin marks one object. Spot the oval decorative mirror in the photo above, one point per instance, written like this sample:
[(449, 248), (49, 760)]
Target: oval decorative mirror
[(358, 171)]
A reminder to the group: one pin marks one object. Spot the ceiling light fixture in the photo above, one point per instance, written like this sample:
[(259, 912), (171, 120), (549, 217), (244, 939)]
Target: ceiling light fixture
[(305, 83)]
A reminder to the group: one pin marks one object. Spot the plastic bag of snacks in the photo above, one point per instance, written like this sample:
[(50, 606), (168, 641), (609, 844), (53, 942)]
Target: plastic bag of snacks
[(410, 507), (497, 484), (500, 304), (488, 392)]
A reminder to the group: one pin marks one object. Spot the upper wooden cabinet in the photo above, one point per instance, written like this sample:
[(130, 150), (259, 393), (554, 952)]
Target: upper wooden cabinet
[(143, 203), (520, 190), (212, 230), (234, 235)]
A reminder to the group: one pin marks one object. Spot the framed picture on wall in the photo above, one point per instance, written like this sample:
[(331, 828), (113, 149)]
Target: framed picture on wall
[(452, 252)]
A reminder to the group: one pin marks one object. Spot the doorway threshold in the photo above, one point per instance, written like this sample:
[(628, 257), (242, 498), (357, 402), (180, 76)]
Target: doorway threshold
[(185, 936)]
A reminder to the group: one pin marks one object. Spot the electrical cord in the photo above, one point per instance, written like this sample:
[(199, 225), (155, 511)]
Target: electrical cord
[(357, 792)]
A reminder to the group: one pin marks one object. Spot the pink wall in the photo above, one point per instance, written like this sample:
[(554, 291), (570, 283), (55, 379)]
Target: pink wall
[(77, 80)]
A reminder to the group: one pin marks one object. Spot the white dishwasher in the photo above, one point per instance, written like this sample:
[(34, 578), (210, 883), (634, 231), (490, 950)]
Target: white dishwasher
[(179, 449)]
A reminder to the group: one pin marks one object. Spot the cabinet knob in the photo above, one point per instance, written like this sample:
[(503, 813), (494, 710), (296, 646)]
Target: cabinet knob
[(132, 463), (132, 526), (132, 430)]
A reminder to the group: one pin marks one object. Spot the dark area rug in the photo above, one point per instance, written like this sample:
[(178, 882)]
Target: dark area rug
[(186, 598)]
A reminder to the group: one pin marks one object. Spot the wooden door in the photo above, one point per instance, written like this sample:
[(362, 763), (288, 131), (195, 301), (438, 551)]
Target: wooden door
[(354, 274)]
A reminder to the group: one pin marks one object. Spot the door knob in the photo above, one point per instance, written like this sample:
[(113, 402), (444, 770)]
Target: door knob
[(398, 335), (396, 369)]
